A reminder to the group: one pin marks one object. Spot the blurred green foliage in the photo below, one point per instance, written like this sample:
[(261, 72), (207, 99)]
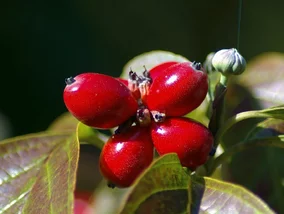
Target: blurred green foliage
[(43, 42)]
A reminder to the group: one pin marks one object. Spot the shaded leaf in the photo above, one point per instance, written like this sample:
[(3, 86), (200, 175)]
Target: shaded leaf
[(38, 173), (162, 188), (214, 196), (265, 164), (108, 200), (264, 77), (259, 87), (64, 122), (277, 141), (238, 99), (89, 135), (150, 60), (276, 112)]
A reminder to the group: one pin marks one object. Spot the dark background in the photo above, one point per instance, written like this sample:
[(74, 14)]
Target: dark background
[(42, 42)]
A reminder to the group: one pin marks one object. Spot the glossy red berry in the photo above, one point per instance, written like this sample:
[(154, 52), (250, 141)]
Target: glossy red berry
[(124, 81), (126, 155), (190, 140), (132, 87), (99, 100), (177, 90), (155, 71)]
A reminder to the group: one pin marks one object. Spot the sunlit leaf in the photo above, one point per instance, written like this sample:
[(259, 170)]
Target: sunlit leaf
[(64, 122), (38, 173), (150, 60), (214, 196), (162, 188), (89, 135)]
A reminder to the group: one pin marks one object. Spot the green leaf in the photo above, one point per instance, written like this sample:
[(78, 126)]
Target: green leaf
[(65, 122), (277, 141), (162, 188), (265, 164), (165, 186), (38, 173), (214, 196), (89, 135), (150, 60), (276, 112), (259, 87)]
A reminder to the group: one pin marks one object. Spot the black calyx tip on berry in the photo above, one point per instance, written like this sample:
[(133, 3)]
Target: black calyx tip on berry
[(158, 117), (132, 75), (146, 75), (196, 65), (111, 185), (69, 80)]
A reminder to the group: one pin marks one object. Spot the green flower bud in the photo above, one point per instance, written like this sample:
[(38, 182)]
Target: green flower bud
[(229, 61)]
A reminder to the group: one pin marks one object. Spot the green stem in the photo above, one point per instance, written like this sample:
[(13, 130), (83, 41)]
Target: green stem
[(224, 80), (276, 141), (218, 107)]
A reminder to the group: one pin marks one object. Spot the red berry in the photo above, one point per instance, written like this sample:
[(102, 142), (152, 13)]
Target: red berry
[(99, 100), (126, 155), (124, 81), (190, 140), (135, 93), (177, 90), (154, 72)]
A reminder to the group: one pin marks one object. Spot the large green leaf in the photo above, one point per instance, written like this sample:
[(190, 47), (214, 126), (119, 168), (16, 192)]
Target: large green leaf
[(38, 173), (165, 187), (150, 60), (162, 188), (214, 196), (264, 164)]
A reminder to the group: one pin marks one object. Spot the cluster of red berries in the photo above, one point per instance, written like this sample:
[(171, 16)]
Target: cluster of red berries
[(148, 111)]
